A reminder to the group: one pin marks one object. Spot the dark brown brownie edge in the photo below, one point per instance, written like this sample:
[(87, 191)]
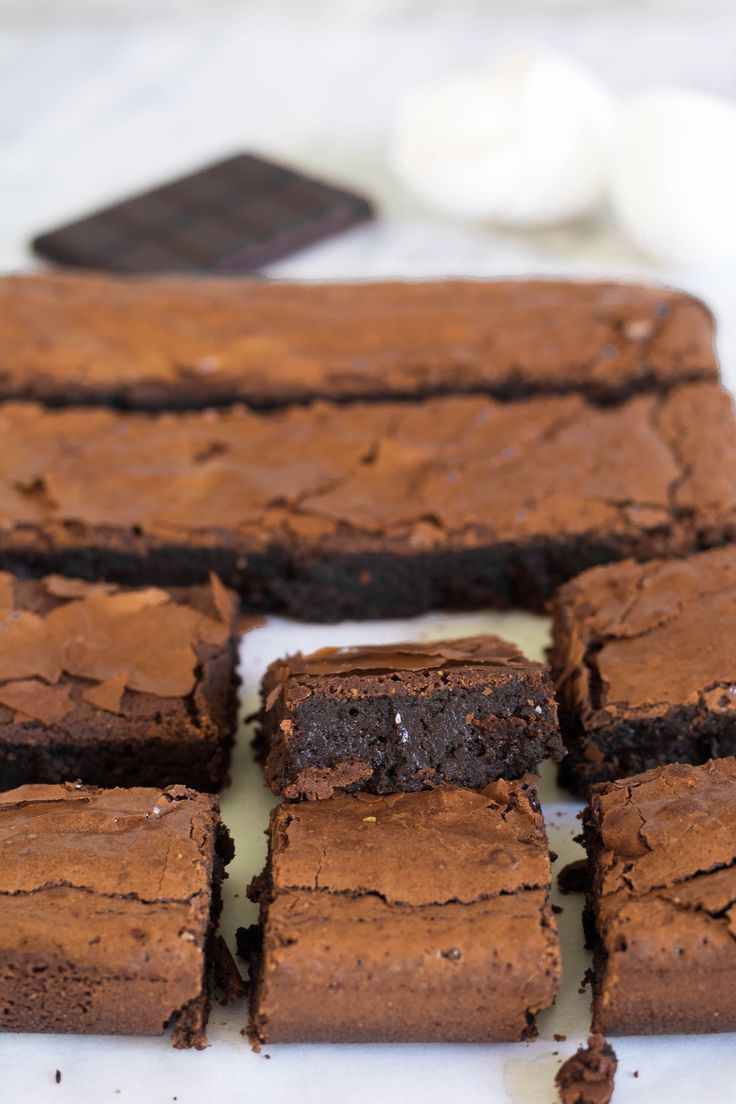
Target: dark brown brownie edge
[(200, 762), (336, 585), (467, 730)]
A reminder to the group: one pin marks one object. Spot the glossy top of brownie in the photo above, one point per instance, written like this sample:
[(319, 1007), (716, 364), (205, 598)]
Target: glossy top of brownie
[(641, 638), (459, 469), (70, 648), (665, 827), (367, 659), (143, 843), (425, 848), (171, 342), (105, 899)]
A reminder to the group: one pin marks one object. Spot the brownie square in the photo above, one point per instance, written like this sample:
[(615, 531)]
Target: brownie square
[(411, 917), (116, 687), (262, 212), (661, 900), (369, 509), (644, 656), (404, 716), (108, 900), (176, 342)]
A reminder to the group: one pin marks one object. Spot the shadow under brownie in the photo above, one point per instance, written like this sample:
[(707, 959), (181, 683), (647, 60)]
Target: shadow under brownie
[(108, 902), (370, 509), (413, 917), (176, 343), (661, 900), (644, 657), (116, 687), (404, 716)]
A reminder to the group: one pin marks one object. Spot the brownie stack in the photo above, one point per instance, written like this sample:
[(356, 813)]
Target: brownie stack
[(174, 447)]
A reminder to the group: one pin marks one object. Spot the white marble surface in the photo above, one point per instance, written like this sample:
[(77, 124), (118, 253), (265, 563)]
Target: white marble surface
[(99, 97)]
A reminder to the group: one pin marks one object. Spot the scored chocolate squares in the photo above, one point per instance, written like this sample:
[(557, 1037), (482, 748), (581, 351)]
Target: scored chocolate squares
[(115, 686), (395, 717), (233, 216)]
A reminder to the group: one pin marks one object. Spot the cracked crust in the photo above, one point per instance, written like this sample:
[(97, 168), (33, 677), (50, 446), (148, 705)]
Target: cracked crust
[(375, 509), (411, 917), (112, 686), (108, 900), (643, 675), (661, 900), (172, 342)]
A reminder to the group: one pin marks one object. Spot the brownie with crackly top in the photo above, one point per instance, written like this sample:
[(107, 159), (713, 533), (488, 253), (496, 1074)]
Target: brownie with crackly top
[(661, 900), (115, 686), (379, 509), (410, 917), (645, 663), (108, 902), (392, 717), (172, 342)]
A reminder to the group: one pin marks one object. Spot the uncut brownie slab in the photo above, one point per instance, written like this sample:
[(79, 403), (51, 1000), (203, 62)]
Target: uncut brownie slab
[(176, 342), (404, 716), (108, 901), (368, 510), (412, 917), (661, 900), (113, 686), (644, 657)]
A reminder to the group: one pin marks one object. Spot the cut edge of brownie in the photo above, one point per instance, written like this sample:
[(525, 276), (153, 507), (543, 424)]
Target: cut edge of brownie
[(401, 717)]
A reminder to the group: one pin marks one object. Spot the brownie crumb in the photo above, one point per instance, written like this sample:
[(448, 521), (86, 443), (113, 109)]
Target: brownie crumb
[(636, 1073), (57, 1077), (571, 879), (557, 909), (587, 1077), (225, 974), (559, 1038)]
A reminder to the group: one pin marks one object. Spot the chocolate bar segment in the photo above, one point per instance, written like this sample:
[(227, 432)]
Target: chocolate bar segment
[(404, 716), (175, 342), (234, 216), (371, 509), (414, 917)]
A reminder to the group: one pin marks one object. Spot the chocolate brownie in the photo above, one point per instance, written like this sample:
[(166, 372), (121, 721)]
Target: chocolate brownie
[(661, 902), (108, 901), (405, 716), (233, 216), (370, 509), (644, 657), (115, 687), (173, 342), (587, 1077), (409, 917)]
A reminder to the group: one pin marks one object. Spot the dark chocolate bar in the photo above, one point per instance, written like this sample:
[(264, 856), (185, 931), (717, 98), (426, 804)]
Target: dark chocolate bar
[(231, 217)]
